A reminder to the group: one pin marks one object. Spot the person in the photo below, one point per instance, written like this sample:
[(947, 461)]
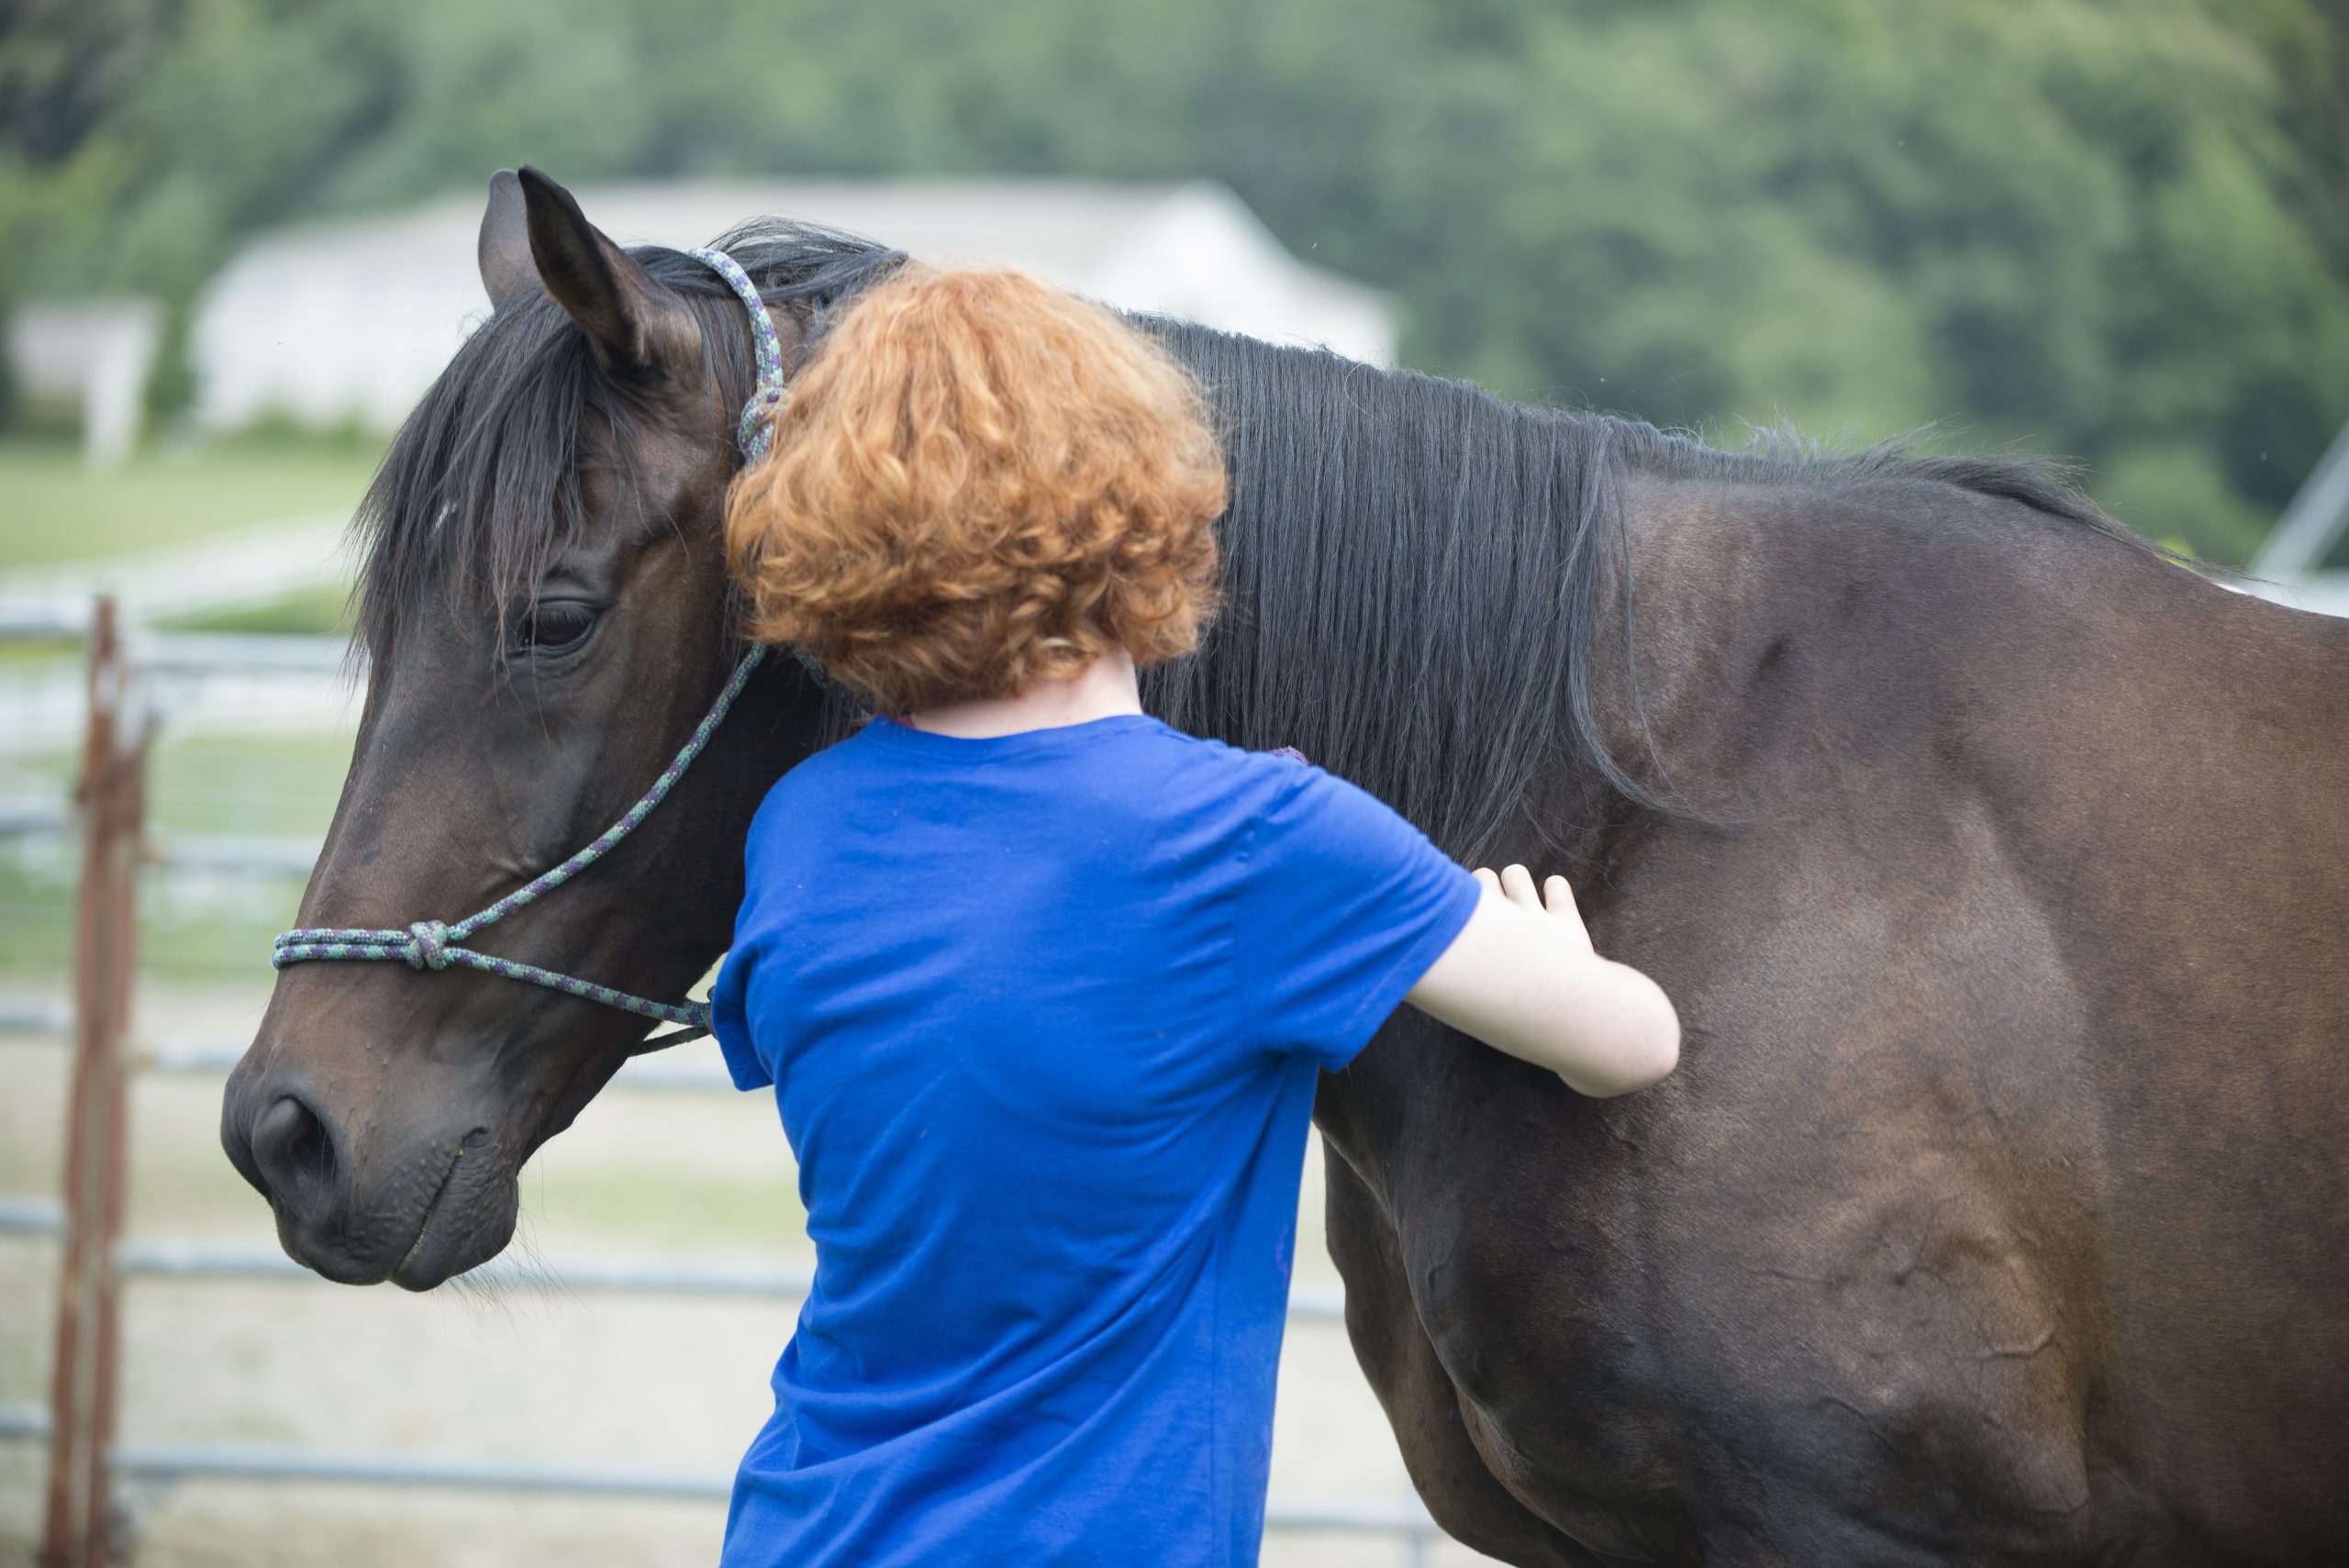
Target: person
[(1043, 985)]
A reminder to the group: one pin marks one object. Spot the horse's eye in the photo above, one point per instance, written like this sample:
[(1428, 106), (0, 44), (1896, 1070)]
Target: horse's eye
[(554, 626)]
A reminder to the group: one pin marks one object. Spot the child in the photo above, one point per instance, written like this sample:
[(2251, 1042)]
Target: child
[(1043, 985)]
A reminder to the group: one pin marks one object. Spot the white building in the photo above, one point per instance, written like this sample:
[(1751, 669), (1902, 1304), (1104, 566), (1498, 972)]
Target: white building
[(94, 354), (330, 323), (2291, 567)]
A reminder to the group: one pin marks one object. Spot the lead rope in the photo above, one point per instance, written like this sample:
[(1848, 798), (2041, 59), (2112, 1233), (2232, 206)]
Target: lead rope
[(432, 945)]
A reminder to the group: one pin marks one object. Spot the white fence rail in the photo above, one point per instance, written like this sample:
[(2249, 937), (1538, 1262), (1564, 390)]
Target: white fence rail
[(209, 684), (171, 1258)]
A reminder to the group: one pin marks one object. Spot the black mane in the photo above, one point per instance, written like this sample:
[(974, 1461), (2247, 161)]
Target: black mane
[(1415, 571), (1414, 568)]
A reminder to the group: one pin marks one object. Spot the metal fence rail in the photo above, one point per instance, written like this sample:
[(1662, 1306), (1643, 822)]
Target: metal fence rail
[(52, 1018), (36, 1015), (169, 1462), (754, 1278)]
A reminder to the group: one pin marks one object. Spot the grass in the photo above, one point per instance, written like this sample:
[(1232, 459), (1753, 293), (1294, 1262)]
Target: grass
[(275, 784), (321, 612), (216, 925), (59, 511)]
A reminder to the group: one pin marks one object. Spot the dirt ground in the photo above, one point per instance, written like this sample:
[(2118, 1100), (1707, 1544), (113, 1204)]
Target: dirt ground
[(673, 1384)]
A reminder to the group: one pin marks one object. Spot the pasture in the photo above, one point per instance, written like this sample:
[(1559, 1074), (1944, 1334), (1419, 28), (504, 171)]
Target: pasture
[(59, 512)]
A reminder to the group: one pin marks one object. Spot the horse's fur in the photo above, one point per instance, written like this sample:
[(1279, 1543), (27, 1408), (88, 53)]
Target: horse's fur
[(1997, 1213)]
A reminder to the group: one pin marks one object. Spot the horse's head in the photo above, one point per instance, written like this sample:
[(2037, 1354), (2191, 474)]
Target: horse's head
[(545, 611)]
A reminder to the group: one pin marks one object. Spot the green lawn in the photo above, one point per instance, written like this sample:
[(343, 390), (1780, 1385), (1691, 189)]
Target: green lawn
[(215, 926), (317, 612), (52, 509), (267, 784)]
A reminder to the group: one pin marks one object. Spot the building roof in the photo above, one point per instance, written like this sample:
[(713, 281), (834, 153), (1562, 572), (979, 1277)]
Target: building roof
[(2300, 563), (332, 322)]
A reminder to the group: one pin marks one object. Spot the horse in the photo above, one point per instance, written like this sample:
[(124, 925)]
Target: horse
[(1997, 1211)]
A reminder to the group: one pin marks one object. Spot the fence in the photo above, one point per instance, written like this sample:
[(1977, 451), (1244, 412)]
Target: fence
[(83, 1516)]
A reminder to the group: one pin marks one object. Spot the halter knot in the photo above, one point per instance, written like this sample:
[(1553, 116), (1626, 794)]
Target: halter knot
[(426, 946), (758, 416)]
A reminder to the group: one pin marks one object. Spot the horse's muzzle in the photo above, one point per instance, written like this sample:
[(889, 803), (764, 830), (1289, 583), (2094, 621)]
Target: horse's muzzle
[(433, 1213)]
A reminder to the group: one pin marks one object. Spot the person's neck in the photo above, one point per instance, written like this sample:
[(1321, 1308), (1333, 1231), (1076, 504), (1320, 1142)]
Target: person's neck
[(1103, 689)]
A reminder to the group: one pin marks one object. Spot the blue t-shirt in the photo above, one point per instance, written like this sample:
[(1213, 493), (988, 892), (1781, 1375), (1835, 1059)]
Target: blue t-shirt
[(1043, 1014)]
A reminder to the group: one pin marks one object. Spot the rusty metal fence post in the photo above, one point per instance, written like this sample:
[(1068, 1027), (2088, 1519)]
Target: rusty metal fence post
[(78, 1532)]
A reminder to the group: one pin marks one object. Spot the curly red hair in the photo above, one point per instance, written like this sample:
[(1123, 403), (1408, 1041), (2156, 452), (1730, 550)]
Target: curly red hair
[(980, 481)]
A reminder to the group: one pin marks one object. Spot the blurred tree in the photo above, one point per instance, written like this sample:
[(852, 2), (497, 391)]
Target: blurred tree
[(2113, 228)]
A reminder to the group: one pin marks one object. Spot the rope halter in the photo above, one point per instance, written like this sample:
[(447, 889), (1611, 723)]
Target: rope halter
[(430, 945), (756, 433)]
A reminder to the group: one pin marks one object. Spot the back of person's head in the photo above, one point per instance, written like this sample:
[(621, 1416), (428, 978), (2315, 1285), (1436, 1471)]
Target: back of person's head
[(980, 481)]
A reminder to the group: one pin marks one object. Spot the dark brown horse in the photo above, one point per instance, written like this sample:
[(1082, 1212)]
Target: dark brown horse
[(1999, 867)]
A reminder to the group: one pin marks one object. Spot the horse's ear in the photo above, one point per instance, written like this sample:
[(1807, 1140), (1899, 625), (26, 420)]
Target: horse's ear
[(635, 323), (504, 250)]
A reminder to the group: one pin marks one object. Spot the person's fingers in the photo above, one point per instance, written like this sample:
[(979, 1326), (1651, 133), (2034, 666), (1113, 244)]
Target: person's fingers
[(1517, 883), (1485, 875), (1563, 909), (1559, 895)]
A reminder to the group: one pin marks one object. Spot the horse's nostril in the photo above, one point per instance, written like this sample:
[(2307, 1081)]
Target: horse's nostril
[(295, 1152)]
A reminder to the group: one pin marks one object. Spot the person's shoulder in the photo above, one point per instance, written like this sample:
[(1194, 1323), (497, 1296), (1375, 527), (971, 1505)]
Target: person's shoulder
[(1207, 750), (822, 775), (812, 775), (1304, 802), (1258, 779)]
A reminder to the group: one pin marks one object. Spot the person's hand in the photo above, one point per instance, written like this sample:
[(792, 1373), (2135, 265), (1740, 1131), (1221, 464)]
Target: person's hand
[(1522, 977), (1556, 900)]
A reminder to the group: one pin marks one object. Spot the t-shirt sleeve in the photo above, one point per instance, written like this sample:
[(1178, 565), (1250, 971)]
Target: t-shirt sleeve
[(730, 1020), (1342, 908)]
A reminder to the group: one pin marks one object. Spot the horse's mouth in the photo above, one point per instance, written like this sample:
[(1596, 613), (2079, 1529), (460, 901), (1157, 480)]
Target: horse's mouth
[(406, 1274), (465, 1222), (459, 1230)]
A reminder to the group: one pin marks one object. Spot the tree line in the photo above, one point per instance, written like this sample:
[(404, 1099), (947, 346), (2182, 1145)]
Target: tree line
[(2112, 229)]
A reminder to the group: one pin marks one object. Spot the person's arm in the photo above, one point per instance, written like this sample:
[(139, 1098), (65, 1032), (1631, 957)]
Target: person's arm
[(1524, 980)]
